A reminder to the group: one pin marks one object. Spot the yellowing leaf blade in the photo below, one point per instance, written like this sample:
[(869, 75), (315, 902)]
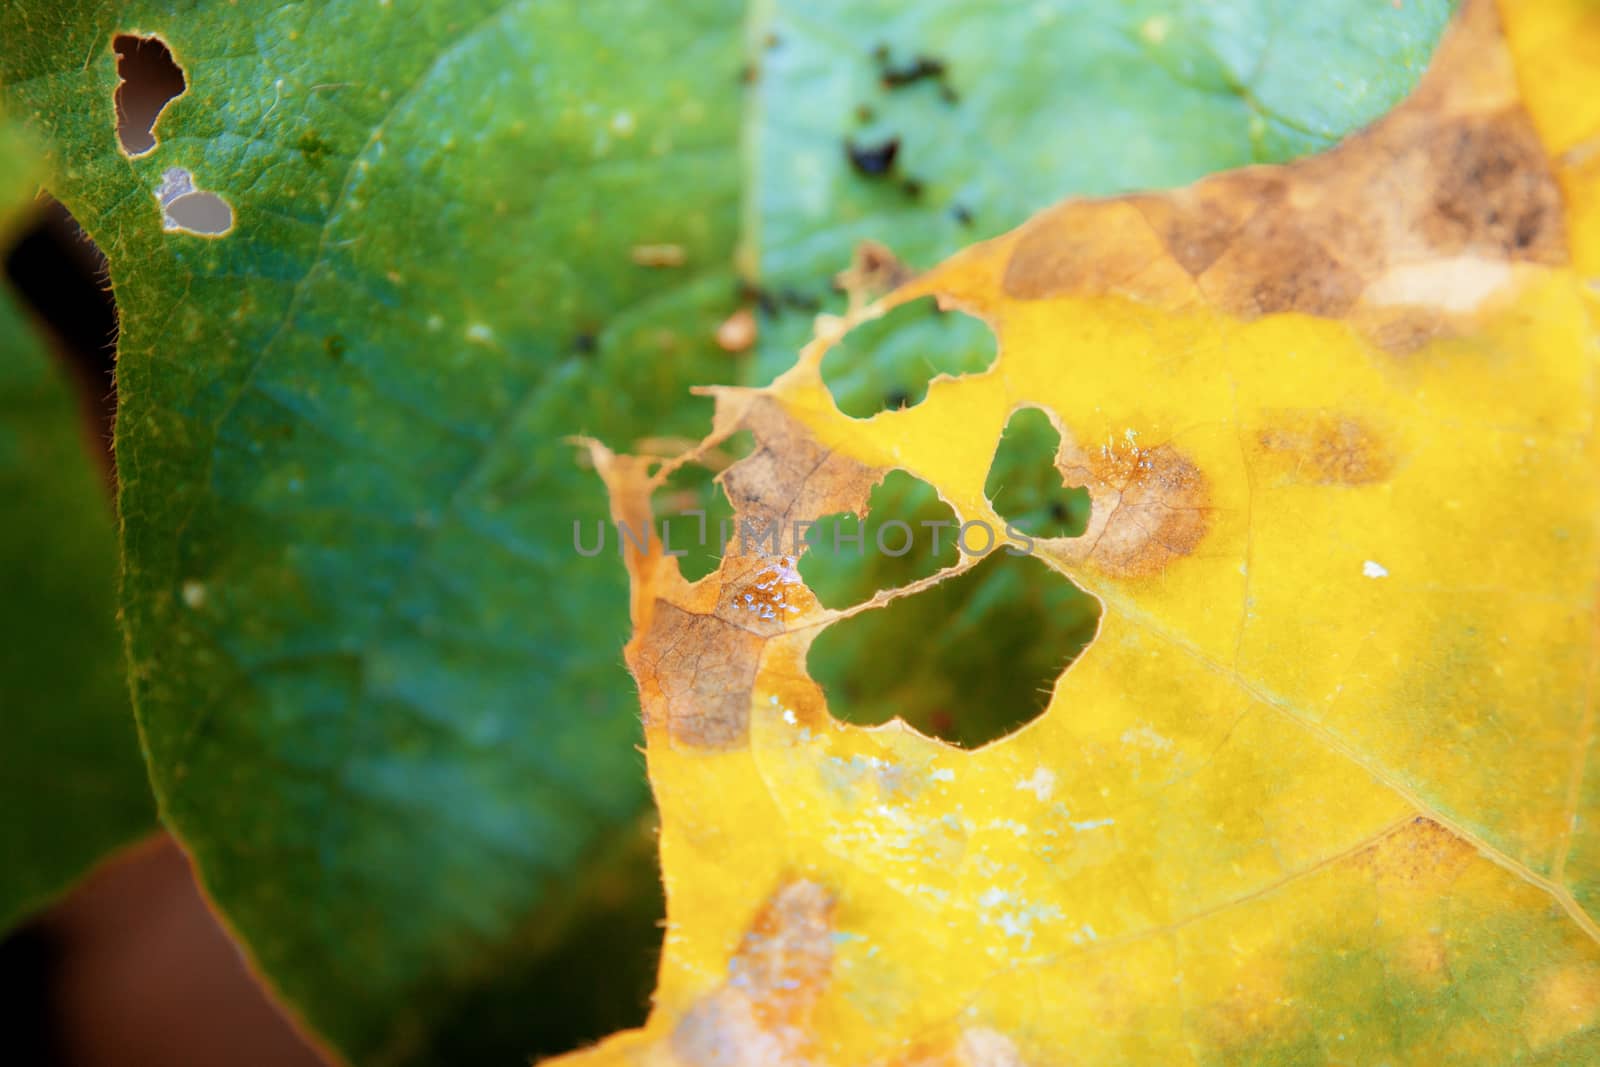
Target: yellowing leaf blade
[(1319, 791)]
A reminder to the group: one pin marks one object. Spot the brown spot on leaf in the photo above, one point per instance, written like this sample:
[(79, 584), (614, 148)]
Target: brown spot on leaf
[(1402, 330), (697, 647), (1094, 248), (791, 477), (1198, 224), (780, 970), (1149, 506), (787, 953), (1420, 856), (1277, 264), (874, 270), (1493, 191), (1323, 448), (695, 675)]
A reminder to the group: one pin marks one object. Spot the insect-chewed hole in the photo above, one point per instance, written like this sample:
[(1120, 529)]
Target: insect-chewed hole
[(150, 80), (203, 213), (887, 363), (187, 209), (908, 534), (693, 515), (1025, 485), (969, 661)]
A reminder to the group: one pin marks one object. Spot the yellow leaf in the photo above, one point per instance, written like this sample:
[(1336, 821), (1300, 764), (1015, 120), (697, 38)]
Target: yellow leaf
[(1319, 791)]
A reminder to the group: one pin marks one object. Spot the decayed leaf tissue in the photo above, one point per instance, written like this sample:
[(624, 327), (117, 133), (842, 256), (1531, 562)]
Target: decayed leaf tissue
[(1321, 789)]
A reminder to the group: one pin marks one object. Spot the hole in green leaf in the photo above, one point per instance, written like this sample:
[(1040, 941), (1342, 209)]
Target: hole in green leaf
[(187, 209), (968, 661), (908, 534), (887, 363), (1025, 485), (150, 80)]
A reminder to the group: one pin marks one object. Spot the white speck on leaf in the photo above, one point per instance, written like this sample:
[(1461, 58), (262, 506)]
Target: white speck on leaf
[(1041, 785), (1145, 737), (1374, 570)]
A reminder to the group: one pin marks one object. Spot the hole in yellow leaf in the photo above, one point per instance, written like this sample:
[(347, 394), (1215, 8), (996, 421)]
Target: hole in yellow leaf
[(150, 80), (969, 661), (908, 534), (1025, 486), (694, 518), (887, 363)]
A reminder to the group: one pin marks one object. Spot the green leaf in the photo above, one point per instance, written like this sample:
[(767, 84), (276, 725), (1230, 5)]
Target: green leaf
[(71, 781), (382, 694)]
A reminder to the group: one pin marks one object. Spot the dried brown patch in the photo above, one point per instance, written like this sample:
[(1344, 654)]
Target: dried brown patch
[(1150, 506), (790, 477), (780, 970), (786, 956), (874, 271), (1422, 855), (697, 648), (695, 676), (1089, 248), (1321, 448), (1198, 224), (1401, 229)]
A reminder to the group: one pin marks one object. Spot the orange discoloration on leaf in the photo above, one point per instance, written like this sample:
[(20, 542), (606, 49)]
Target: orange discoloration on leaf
[(1423, 857), (1565, 1000), (1150, 505), (760, 1011), (1324, 448), (1322, 789), (761, 1014)]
